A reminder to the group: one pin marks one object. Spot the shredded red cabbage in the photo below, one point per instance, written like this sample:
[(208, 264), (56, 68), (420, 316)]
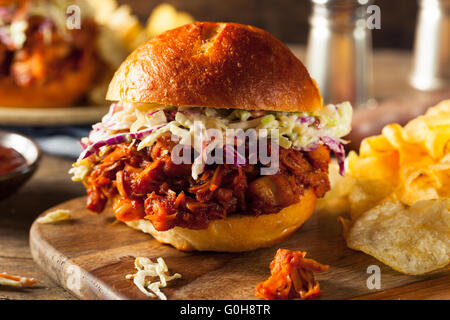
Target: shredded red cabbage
[(148, 114), (308, 148), (231, 152), (307, 119), (338, 150), (82, 145), (116, 139)]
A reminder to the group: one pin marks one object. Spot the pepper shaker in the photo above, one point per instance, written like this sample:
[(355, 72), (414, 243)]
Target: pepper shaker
[(431, 63), (339, 51)]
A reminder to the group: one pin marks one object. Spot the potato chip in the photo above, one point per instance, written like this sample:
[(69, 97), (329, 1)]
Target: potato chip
[(120, 32), (103, 9), (413, 240), (399, 195), (431, 130), (111, 49), (381, 166), (165, 17), (127, 27), (411, 159), (121, 21), (366, 194), (375, 144)]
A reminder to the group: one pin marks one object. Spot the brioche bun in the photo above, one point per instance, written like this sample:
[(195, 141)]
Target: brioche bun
[(237, 232), (221, 65), (216, 65)]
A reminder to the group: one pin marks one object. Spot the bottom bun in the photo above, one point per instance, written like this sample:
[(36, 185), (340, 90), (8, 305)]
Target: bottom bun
[(57, 93), (236, 233)]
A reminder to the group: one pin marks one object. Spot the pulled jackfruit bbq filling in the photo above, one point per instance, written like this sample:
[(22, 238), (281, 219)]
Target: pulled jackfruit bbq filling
[(35, 49), (147, 184)]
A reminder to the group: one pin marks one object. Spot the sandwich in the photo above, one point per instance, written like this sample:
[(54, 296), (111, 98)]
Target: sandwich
[(154, 159), (52, 53), (42, 63)]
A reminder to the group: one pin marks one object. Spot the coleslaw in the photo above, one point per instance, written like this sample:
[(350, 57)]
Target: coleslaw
[(143, 124)]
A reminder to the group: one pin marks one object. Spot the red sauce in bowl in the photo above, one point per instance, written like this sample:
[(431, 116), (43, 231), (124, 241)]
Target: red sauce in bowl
[(10, 160)]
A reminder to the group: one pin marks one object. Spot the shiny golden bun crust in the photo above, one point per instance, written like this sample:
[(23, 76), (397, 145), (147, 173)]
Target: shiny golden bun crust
[(237, 233), (218, 65), (59, 93)]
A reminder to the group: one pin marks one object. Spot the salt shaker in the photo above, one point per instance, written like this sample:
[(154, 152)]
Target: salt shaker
[(339, 51), (431, 63)]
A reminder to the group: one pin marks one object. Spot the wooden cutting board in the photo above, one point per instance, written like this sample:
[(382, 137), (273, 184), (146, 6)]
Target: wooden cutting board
[(90, 256)]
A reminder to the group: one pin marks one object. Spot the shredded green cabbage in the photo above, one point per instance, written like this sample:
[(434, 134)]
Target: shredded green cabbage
[(298, 130)]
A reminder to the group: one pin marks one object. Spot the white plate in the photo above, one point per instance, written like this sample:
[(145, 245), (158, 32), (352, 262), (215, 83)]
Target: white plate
[(51, 116)]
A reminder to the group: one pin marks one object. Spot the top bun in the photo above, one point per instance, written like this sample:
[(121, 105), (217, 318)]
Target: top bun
[(216, 65)]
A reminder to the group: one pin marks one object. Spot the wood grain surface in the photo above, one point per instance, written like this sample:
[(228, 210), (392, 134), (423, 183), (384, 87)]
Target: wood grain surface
[(90, 256), (48, 187)]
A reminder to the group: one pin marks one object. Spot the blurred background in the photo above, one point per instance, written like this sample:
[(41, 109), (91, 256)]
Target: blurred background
[(288, 19), (398, 68)]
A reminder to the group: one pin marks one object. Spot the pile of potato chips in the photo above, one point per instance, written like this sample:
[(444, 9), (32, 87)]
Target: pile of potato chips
[(165, 17), (398, 194), (127, 27), (121, 32)]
